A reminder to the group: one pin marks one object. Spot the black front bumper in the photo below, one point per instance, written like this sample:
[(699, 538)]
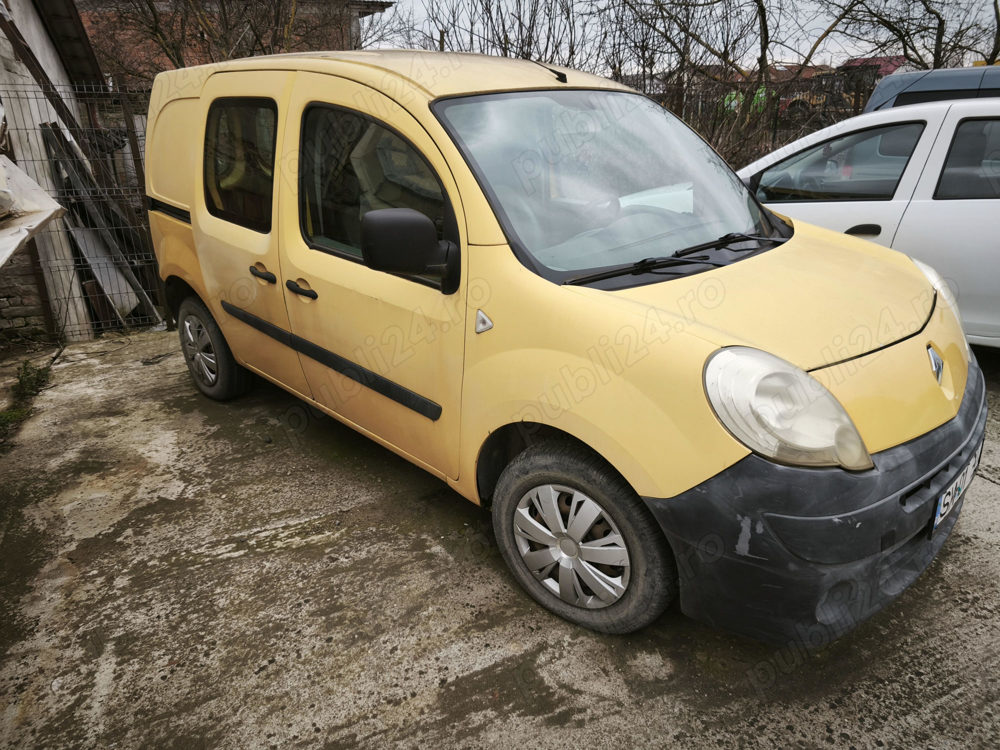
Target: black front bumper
[(796, 554)]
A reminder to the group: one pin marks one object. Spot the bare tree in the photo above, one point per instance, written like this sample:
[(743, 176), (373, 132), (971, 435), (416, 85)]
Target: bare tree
[(551, 31), (629, 49), (729, 67), (928, 33), (991, 47), (394, 27), (135, 39), (712, 61)]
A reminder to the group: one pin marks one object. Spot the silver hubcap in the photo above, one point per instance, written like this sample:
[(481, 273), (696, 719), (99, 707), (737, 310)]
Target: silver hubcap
[(199, 351), (571, 545)]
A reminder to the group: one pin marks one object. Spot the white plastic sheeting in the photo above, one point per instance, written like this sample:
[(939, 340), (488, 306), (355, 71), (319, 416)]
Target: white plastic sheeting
[(24, 208)]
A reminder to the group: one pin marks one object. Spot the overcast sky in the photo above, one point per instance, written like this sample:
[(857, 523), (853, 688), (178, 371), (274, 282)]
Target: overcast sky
[(814, 16)]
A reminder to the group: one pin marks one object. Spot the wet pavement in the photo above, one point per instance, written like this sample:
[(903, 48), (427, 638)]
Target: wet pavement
[(176, 572)]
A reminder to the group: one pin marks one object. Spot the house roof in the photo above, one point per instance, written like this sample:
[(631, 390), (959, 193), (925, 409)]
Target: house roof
[(63, 25), (779, 72), (886, 64), (369, 7)]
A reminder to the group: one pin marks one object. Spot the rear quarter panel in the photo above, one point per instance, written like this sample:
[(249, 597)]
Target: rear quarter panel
[(173, 140)]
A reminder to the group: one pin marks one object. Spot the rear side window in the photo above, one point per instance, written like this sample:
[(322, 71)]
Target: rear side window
[(865, 165), (239, 161), (350, 165), (972, 168)]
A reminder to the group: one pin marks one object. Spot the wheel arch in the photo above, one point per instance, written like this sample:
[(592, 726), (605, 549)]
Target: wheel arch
[(506, 443), (177, 290), (638, 601)]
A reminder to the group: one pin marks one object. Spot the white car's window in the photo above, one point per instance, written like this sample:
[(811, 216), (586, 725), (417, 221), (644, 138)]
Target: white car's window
[(972, 169), (865, 165)]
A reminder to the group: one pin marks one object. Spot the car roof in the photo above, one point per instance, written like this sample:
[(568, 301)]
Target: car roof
[(941, 79), (425, 73)]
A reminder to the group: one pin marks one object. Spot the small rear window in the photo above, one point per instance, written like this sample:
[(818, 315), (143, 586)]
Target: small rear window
[(239, 161)]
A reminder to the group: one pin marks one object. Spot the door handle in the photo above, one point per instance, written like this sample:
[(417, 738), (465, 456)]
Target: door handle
[(872, 230), (293, 287), (267, 276)]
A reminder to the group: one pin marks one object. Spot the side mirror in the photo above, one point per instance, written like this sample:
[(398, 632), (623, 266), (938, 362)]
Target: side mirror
[(404, 241)]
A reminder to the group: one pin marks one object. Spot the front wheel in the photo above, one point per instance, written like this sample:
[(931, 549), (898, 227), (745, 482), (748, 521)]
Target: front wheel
[(579, 540)]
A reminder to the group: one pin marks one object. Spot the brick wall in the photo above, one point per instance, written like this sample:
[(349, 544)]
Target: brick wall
[(21, 306)]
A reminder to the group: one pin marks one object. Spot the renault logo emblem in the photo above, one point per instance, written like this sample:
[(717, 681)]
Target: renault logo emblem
[(937, 364)]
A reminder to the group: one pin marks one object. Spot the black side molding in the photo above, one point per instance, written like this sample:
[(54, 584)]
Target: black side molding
[(152, 204), (345, 367)]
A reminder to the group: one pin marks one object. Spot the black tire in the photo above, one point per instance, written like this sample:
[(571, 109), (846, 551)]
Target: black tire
[(651, 581), (202, 343)]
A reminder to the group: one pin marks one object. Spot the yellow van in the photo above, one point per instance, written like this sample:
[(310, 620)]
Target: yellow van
[(547, 291)]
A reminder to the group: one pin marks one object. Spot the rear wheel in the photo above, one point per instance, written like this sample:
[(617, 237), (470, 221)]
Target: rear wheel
[(579, 540), (209, 359)]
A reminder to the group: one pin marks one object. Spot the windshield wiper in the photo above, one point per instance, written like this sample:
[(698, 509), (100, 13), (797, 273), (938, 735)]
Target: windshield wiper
[(724, 240), (641, 266), (681, 257)]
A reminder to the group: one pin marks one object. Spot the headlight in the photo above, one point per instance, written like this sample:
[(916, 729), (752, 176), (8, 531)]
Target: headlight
[(778, 411), (945, 295)]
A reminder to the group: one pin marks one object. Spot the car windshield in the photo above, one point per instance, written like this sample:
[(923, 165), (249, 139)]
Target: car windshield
[(587, 180)]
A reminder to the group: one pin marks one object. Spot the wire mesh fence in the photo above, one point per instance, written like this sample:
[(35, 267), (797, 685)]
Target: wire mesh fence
[(744, 119), (96, 262)]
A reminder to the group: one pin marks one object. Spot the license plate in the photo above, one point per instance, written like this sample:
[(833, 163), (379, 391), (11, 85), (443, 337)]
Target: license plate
[(950, 497)]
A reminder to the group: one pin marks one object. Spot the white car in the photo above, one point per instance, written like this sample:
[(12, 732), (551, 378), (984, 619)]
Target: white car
[(923, 179)]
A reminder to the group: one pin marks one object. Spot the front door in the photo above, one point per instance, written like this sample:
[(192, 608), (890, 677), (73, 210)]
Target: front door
[(383, 352), (236, 223), (953, 221), (859, 182)]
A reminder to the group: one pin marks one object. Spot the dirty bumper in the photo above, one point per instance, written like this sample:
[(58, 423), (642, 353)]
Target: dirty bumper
[(795, 554)]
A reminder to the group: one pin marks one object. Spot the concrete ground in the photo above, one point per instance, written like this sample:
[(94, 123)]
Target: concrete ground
[(176, 572)]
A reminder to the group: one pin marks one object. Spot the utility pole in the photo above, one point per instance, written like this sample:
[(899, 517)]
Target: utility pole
[(441, 33)]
